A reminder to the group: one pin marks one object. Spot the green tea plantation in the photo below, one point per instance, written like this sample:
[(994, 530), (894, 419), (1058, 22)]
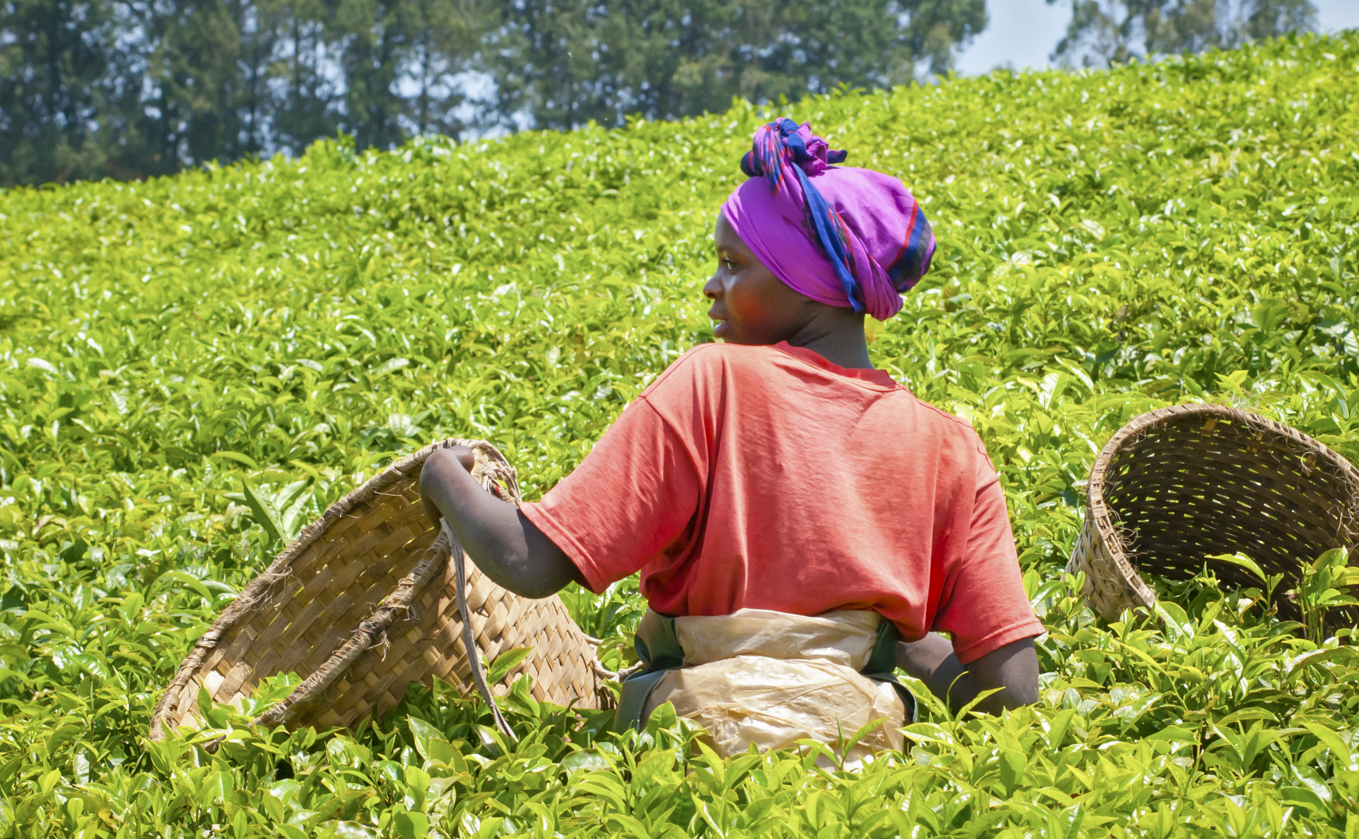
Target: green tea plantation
[(191, 368)]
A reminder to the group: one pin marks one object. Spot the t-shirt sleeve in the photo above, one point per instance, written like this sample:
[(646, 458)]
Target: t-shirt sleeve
[(630, 498), (983, 604)]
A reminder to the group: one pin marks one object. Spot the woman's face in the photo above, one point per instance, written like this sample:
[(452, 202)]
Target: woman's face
[(750, 304)]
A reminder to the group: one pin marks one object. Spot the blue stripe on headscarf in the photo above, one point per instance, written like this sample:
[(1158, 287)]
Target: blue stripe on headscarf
[(780, 146), (828, 224)]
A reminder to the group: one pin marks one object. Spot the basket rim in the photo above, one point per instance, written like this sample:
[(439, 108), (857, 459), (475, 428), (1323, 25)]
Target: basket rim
[(1097, 510), (245, 601)]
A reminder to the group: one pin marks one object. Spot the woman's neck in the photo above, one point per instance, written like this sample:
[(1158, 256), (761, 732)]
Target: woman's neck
[(848, 351), (838, 338)]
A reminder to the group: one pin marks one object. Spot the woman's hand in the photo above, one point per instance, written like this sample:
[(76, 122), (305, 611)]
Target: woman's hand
[(453, 457), (505, 545)]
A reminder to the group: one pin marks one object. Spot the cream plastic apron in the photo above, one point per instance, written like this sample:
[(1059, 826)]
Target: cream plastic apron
[(772, 678)]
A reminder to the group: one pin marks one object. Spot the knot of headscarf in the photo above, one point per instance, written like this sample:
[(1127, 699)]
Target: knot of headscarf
[(865, 224), (783, 143)]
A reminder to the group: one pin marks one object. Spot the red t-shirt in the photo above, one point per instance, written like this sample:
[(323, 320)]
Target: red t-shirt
[(769, 478)]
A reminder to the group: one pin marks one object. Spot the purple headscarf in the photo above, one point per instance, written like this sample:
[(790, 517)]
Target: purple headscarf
[(846, 237)]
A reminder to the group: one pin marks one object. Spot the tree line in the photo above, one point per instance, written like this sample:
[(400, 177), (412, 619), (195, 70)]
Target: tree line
[(1104, 31), (135, 88)]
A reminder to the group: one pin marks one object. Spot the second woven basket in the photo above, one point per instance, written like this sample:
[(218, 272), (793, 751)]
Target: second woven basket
[(1181, 484), (363, 604)]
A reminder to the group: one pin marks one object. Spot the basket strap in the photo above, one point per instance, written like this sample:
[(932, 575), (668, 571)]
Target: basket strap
[(469, 640)]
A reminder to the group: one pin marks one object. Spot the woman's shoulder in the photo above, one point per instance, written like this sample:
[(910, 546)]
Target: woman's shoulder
[(703, 360), (954, 431), (704, 373), (719, 353), (944, 419)]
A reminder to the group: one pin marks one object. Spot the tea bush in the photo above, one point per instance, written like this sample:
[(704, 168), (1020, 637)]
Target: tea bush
[(1109, 243)]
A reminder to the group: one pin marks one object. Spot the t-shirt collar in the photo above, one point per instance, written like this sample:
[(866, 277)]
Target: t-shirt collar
[(878, 378)]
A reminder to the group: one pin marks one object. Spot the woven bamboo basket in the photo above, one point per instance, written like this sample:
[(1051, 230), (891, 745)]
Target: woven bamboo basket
[(364, 603), (1181, 484)]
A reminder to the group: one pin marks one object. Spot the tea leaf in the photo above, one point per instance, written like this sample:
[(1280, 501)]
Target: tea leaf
[(505, 662)]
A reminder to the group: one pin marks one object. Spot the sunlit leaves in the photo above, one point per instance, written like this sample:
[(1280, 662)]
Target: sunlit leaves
[(193, 368)]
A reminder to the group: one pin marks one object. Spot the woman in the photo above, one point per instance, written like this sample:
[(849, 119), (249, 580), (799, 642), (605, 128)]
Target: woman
[(789, 506)]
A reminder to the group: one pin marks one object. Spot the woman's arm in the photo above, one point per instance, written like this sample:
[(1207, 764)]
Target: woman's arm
[(1013, 668), (505, 545)]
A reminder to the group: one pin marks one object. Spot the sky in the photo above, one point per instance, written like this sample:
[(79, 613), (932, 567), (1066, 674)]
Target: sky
[(1023, 33)]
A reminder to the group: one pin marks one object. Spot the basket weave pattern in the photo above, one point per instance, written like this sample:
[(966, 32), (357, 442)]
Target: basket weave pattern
[(362, 605), (1180, 484)]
